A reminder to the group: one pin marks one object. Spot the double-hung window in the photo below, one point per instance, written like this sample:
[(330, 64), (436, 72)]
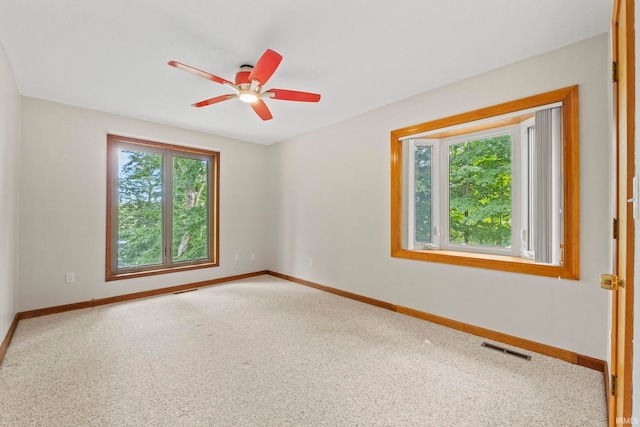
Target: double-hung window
[(162, 208)]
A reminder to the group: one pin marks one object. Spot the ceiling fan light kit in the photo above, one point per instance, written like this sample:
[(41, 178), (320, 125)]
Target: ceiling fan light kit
[(248, 85)]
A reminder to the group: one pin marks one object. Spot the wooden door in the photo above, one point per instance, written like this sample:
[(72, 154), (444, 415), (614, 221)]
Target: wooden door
[(622, 298)]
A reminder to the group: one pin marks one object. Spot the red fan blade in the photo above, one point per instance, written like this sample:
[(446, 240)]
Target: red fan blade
[(213, 100), (262, 110), (197, 72), (294, 95), (265, 67)]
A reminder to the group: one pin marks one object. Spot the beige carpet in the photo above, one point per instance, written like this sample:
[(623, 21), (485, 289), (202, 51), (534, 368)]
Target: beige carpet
[(267, 352)]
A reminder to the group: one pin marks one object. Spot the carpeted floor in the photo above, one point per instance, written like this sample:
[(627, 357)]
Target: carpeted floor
[(267, 352)]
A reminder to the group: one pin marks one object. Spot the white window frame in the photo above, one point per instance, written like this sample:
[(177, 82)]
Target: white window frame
[(440, 193), (525, 196)]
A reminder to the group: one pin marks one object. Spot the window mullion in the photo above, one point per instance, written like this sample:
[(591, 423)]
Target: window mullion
[(167, 203), (436, 194)]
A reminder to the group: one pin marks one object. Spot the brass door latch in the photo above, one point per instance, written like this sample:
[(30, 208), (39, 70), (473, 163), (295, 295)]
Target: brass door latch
[(611, 282)]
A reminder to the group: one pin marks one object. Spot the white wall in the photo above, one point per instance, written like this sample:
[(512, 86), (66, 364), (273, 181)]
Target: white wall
[(9, 159), (330, 201), (63, 204)]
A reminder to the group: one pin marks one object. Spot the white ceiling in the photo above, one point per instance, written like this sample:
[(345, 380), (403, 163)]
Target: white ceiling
[(111, 55)]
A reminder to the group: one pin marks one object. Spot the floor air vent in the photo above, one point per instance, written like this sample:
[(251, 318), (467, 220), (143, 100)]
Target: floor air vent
[(182, 292), (506, 351)]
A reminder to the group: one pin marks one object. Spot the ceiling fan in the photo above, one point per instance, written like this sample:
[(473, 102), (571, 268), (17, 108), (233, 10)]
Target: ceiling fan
[(249, 83)]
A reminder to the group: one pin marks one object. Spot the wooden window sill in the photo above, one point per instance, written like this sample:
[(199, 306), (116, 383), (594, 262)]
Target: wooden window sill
[(488, 261)]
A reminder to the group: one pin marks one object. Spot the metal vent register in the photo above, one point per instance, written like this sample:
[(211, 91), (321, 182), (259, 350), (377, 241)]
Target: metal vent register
[(187, 290), (506, 351)]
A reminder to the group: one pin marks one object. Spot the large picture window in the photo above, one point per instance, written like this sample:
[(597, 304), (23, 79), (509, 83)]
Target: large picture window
[(461, 189), (162, 208), (475, 192), (493, 188)]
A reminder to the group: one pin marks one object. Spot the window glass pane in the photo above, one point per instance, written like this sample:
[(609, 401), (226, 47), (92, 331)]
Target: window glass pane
[(480, 192), (423, 193), (190, 209), (139, 208)]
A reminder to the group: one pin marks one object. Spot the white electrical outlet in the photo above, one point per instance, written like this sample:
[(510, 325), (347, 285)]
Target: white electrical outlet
[(310, 262), (253, 257), (237, 266), (237, 257), (70, 277)]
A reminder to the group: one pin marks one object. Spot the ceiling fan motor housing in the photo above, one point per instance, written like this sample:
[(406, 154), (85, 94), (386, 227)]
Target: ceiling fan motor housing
[(242, 76)]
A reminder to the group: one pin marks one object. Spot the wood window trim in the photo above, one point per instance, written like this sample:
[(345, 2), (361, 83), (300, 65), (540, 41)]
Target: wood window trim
[(212, 261), (481, 127), (570, 269)]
